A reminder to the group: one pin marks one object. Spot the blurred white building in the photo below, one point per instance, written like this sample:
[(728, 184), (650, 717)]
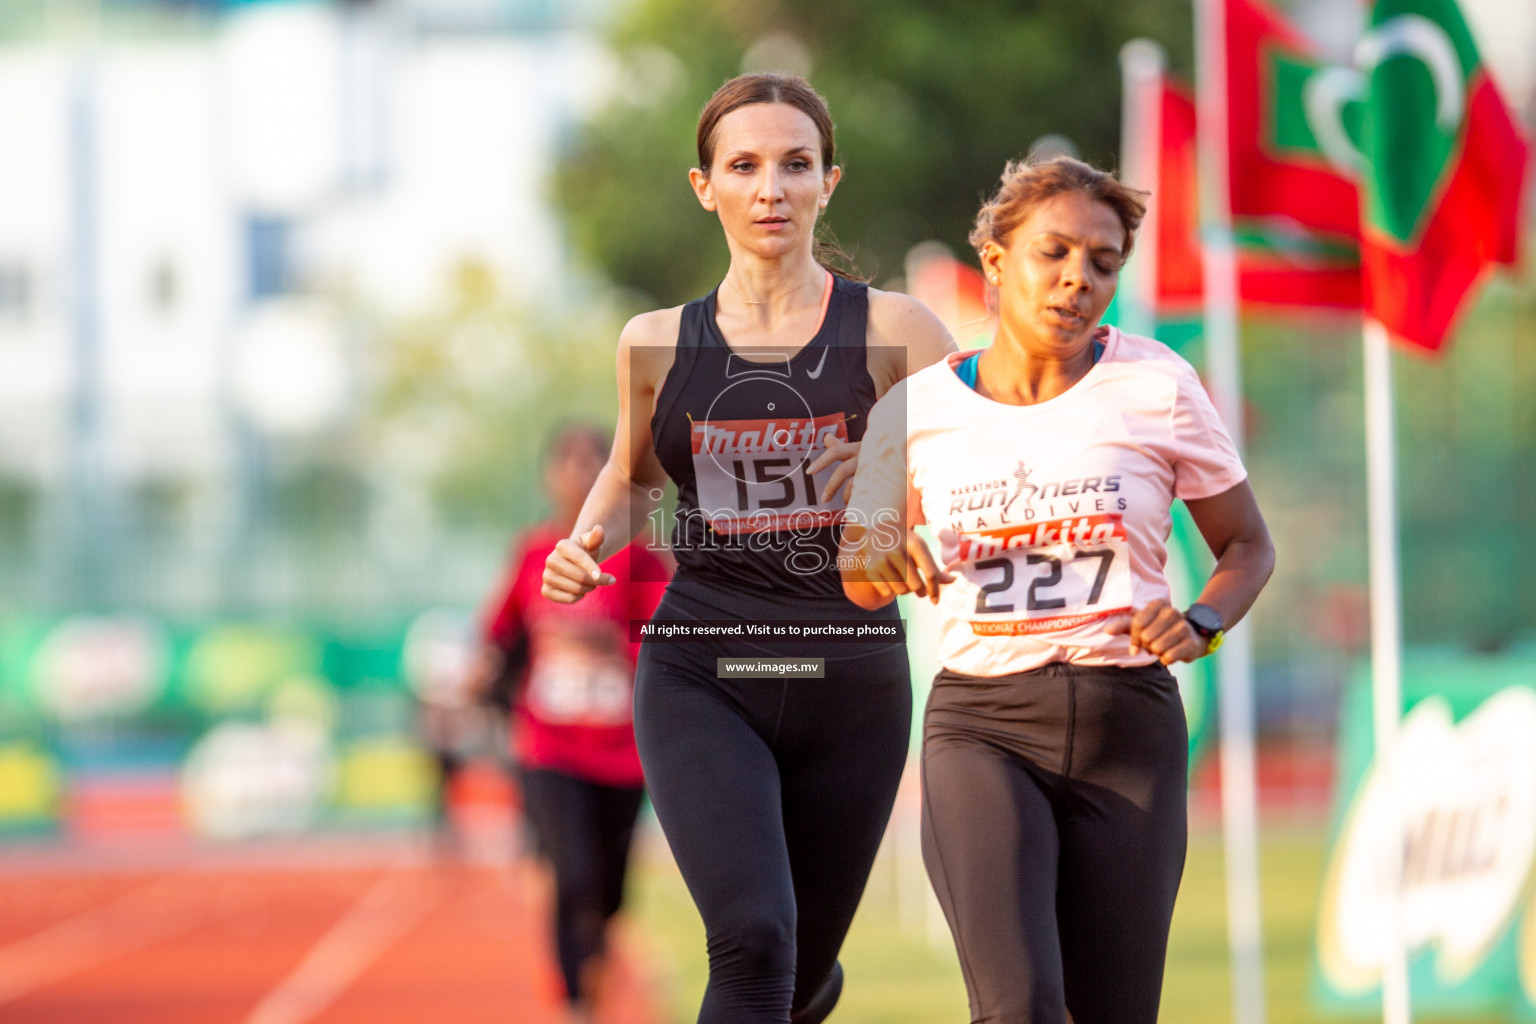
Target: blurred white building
[(180, 209)]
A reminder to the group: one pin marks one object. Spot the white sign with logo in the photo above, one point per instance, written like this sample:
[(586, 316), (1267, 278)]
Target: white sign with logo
[(1467, 792), (91, 667), (247, 779)]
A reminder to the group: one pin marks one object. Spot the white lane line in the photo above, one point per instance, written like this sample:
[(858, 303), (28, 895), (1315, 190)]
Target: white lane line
[(135, 920), (393, 906)]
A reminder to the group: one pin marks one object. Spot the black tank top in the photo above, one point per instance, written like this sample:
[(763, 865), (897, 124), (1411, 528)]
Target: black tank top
[(737, 436)]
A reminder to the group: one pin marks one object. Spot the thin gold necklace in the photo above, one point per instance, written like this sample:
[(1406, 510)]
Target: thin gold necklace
[(753, 302)]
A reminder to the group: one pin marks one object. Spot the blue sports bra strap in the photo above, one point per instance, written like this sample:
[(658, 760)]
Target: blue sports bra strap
[(966, 371)]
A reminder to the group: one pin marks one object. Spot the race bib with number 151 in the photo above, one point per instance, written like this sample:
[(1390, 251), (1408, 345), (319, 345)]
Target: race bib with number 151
[(754, 475)]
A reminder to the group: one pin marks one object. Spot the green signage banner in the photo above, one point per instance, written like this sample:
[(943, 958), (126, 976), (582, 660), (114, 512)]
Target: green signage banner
[(1466, 793), (250, 727)]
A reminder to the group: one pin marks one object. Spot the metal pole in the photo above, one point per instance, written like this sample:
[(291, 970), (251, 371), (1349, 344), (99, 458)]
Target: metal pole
[(1142, 64), (87, 585), (1234, 662), (1386, 653)]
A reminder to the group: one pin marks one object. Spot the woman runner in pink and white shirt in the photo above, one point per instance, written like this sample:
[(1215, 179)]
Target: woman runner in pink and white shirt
[(1054, 749)]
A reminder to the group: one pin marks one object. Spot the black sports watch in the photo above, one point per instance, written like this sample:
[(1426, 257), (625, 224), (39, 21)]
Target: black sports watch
[(1207, 624)]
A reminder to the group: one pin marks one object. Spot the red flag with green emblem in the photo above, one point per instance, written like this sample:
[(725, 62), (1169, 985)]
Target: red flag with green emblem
[(1443, 166), (1293, 157), (1180, 282), (1295, 223), (1295, 203)]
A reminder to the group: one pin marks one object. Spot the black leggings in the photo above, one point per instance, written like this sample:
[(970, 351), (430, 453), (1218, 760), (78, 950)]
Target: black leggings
[(1054, 833), (774, 795), (584, 829)]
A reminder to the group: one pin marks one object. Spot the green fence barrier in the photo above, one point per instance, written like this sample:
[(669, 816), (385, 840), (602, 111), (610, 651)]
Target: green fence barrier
[(261, 728)]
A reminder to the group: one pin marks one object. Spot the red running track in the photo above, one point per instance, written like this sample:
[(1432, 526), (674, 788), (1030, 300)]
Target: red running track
[(322, 934)]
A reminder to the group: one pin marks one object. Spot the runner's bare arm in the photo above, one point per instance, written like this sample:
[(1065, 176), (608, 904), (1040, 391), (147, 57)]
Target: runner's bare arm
[(629, 487), (880, 556), (876, 571), (1234, 529), (902, 337)]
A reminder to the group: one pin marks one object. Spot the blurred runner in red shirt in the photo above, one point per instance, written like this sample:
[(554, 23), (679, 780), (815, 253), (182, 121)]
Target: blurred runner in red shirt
[(572, 670)]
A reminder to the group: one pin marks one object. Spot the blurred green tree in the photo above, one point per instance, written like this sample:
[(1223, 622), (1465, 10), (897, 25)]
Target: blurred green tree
[(1466, 467), (930, 99), (466, 395)]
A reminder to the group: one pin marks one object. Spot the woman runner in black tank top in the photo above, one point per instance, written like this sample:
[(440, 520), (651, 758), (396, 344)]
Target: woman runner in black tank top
[(773, 792), (740, 437)]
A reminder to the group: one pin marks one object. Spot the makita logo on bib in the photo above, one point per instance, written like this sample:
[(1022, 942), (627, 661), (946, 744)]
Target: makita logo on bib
[(1096, 529), (754, 437)]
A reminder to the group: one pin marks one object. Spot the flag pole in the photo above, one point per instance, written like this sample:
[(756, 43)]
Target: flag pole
[(1234, 661), (1142, 65), (1386, 652)]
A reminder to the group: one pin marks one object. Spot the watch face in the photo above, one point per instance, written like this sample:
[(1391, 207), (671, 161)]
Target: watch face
[(1205, 620)]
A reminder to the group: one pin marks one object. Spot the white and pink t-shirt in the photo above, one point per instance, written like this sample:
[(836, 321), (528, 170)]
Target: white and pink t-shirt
[(1056, 515)]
